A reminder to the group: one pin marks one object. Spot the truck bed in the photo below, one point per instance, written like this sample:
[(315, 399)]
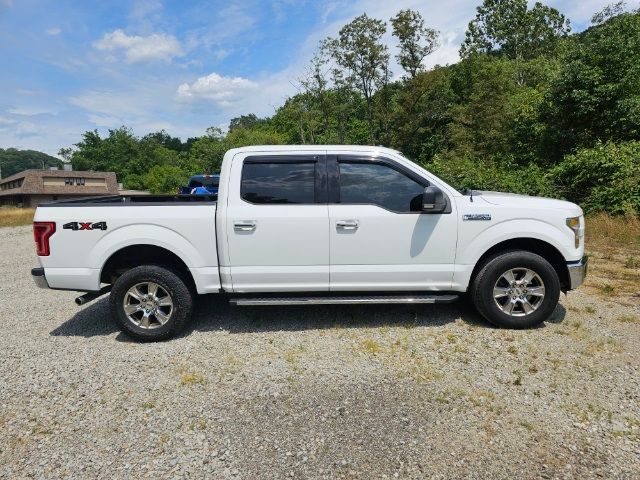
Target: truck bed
[(90, 231)]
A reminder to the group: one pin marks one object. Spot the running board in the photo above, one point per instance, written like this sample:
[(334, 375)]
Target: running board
[(338, 300)]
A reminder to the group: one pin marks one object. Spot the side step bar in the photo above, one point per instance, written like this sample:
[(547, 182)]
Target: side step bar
[(339, 300)]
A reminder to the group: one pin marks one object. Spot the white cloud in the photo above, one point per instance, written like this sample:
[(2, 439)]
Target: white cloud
[(54, 31), (26, 129), (109, 103), (223, 91), (154, 47), (6, 121), (105, 120), (30, 111), (144, 8)]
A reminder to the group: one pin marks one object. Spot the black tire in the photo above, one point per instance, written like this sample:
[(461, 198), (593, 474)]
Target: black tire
[(482, 289), (171, 283)]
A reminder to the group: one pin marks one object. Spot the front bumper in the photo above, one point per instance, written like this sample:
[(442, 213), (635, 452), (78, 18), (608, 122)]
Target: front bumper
[(577, 272), (38, 277)]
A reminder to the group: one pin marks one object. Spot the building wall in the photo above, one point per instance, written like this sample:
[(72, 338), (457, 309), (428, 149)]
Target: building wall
[(10, 201), (32, 187)]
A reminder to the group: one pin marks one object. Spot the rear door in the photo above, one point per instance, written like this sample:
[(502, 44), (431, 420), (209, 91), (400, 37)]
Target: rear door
[(380, 238), (278, 223)]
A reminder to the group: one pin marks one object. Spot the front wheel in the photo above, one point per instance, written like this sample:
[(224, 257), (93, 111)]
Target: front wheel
[(150, 303), (516, 289)]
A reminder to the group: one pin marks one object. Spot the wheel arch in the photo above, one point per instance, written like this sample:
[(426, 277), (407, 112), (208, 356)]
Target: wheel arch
[(533, 245), (144, 254)]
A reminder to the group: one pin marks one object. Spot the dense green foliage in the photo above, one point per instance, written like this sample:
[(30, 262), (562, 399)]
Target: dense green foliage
[(14, 161), (605, 177), (529, 108)]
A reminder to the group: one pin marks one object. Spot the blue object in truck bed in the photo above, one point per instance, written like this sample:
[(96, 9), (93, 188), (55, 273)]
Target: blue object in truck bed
[(201, 185)]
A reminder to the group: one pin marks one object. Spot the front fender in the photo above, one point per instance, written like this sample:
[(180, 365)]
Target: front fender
[(473, 244), (475, 239)]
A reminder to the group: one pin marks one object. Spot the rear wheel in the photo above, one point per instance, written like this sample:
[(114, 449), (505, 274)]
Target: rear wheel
[(151, 303), (516, 289)]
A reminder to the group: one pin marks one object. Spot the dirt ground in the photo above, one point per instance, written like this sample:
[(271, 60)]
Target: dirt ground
[(332, 392)]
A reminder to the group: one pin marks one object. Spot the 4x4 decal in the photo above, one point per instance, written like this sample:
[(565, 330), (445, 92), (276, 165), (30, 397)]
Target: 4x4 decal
[(85, 226)]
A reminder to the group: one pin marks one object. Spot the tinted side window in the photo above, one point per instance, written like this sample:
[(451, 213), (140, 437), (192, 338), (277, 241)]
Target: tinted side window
[(278, 182), (379, 185)]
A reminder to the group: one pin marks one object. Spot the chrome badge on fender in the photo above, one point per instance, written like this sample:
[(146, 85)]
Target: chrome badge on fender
[(476, 216)]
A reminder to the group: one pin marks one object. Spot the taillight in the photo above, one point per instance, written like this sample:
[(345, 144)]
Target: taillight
[(42, 232)]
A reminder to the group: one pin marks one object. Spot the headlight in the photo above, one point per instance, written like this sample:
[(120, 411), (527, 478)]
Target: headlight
[(577, 225)]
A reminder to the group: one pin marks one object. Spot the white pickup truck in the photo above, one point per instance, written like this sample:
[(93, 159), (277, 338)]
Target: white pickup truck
[(313, 225)]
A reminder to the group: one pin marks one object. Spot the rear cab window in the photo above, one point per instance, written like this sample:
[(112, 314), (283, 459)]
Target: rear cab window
[(277, 180)]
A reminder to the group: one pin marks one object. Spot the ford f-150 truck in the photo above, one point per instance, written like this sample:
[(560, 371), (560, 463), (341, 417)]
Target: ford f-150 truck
[(313, 225)]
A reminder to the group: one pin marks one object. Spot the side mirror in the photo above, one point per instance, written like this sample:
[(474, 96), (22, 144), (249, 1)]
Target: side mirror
[(433, 200)]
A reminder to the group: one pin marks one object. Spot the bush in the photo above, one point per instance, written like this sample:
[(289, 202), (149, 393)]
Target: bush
[(491, 174), (603, 178)]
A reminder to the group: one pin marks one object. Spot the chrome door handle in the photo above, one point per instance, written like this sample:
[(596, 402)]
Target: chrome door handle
[(244, 226), (348, 224)]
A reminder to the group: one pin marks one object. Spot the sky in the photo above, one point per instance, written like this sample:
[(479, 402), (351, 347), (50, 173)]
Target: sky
[(71, 66)]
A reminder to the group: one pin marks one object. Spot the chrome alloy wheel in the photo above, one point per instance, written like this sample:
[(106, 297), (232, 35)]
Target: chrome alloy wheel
[(148, 305), (518, 292)]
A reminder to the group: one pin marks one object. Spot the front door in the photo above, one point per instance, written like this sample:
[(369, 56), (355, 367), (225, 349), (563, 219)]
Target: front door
[(380, 239), (278, 223)]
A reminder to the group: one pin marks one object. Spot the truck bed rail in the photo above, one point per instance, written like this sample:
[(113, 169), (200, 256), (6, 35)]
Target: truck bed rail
[(139, 200)]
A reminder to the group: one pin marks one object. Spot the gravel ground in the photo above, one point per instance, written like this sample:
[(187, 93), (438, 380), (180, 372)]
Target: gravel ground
[(303, 392)]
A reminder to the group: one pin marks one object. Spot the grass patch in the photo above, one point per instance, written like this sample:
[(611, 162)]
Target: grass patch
[(291, 356), (605, 231), (632, 262), (527, 425), (629, 319), (199, 424), (369, 345), (606, 345), (590, 309), (189, 377), (14, 217), (606, 288), (518, 380)]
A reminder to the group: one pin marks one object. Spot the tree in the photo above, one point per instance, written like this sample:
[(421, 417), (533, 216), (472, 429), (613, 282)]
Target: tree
[(608, 12), (208, 151), (423, 114), (246, 121), (508, 27), (165, 179), (13, 161), (314, 101), (480, 123), (596, 96), (416, 40), (359, 51), (130, 157), (166, 140)]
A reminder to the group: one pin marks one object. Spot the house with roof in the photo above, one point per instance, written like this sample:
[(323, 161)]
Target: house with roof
[(32, 187)]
